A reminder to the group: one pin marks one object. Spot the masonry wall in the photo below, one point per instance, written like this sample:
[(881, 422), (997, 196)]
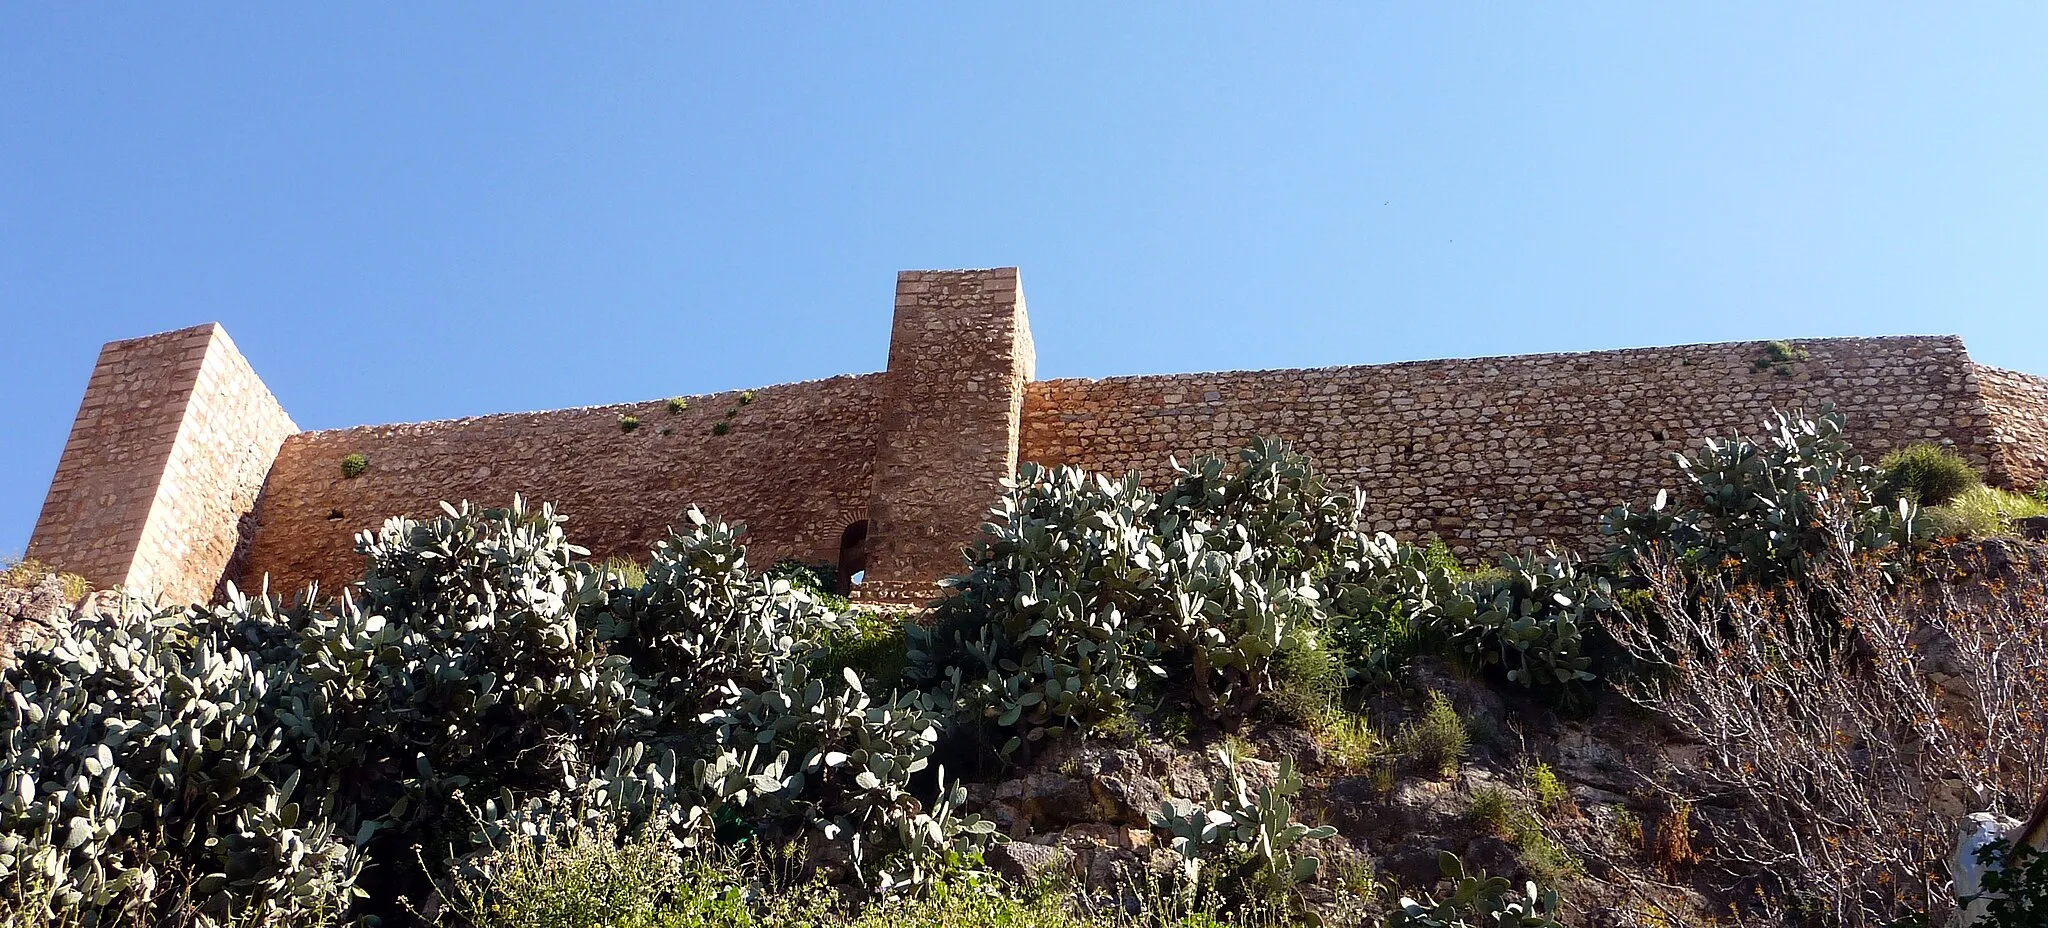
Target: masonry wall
[(165, 459), (1505, 453), (2018, 404), (796, 467)]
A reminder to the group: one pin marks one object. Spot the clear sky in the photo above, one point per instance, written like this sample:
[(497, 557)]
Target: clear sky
[(414, 211)]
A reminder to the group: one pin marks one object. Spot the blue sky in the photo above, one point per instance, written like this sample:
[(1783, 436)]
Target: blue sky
[(426, 210)]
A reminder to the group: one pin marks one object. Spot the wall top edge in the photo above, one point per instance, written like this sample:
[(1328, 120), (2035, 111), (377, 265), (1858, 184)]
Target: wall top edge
[(693, 398), (209, 329), (1954, 342)]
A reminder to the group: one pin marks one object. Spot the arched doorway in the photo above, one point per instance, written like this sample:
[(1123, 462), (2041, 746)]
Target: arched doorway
[(853, 555)]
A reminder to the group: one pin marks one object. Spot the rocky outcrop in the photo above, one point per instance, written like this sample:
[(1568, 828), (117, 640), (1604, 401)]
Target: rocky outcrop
[(30, 615)]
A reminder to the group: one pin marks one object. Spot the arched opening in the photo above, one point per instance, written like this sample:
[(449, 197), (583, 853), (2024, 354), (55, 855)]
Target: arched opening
[(853, 556)]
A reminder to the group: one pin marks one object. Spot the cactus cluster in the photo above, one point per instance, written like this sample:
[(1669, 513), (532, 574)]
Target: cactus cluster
[(1084, 590), (482, 683), (1242, 821), (1765, 504), (1477, 900)]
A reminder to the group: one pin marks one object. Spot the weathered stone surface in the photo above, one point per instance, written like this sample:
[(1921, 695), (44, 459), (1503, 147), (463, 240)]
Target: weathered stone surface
[(1028, 864), (2017, 406), (1050, 801), (30, 617)]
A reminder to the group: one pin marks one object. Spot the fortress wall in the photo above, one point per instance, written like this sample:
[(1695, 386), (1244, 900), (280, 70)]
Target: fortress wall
[(2018, 404), (1498, 454), (796, 467)]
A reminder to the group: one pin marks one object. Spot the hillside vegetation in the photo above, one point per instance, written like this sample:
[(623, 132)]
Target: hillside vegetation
[(1773, 701)]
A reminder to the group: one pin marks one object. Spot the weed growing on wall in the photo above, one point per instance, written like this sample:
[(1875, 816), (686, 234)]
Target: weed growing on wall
[(1778, 357), (628, 423), (677, 404), (353, 465), (721, 428)]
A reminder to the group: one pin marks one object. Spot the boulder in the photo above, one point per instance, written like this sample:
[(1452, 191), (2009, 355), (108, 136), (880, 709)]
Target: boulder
[(1028, 864)]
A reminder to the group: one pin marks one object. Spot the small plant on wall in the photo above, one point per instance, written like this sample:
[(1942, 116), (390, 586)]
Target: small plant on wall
[(677, 404), (720, 428), (628, 423), (746, 397), (353, 465), (1778, 358)]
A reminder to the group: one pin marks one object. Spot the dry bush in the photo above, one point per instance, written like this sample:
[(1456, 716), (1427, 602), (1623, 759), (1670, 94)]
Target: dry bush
[(1844, 725)]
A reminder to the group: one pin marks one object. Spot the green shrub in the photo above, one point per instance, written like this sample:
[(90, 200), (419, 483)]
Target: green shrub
[(746, 396), (1778, 357), (1979, 512), (1490, 807), (677, 404), (1541, 781), (624, 571), (2016, 894), (820, 578), (1350, 742), (1924, 474), (874, 647), (1309, 678), (628, 423), (589, 879), (1439, 738), (353, 464), (720, 428), (2040, 491)]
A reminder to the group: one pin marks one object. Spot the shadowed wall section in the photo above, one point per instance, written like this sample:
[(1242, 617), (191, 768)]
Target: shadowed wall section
[(2018, 407), (794, 464)]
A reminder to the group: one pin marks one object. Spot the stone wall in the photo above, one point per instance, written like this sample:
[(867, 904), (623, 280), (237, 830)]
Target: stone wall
[(170, 447), (960, 355), (2018, 404), (1508, 453), (795, 466)]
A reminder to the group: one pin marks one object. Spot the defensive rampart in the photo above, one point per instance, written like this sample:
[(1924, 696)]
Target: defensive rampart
[(1514, 452), (794, 462), (158, 488)]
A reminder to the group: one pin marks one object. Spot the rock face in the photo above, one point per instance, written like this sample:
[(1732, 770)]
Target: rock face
[(31, 616)]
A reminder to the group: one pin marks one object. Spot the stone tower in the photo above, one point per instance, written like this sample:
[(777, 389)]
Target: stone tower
[(953, 401)]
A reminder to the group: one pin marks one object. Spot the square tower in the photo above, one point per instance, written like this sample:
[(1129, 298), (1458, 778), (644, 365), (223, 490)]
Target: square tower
[(960, 354)]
